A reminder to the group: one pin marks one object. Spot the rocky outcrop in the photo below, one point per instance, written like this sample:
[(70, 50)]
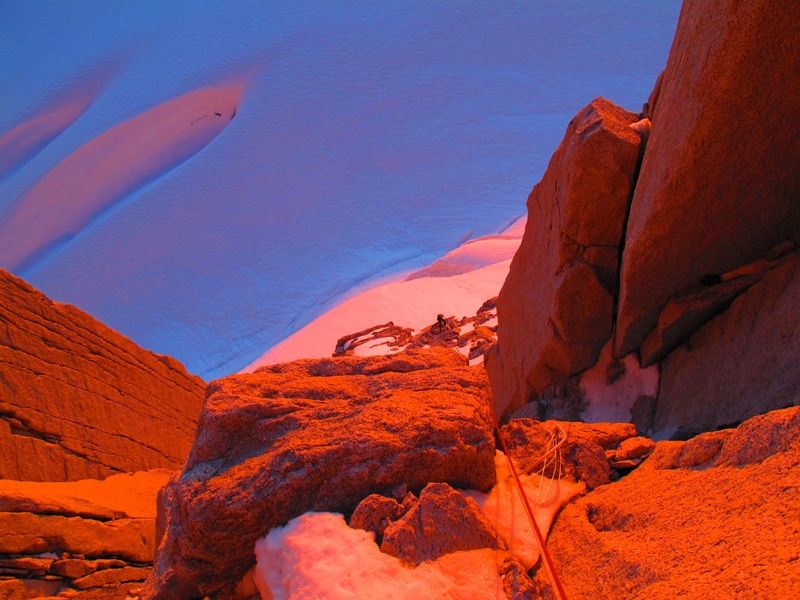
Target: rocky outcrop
[(719, 183), (556, 307), (316, 435), (743, 363), (715, 517), (442, 521), (84, 540), (78, 400), (583, 454), (472, 336), (712, 225)]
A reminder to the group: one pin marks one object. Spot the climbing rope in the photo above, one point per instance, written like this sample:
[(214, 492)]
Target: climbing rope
[(547, 559)]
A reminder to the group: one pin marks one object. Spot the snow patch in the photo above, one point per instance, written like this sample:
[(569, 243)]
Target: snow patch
[(475, 254), (412, 304), (613, 402), (318, 556), (503, 505)]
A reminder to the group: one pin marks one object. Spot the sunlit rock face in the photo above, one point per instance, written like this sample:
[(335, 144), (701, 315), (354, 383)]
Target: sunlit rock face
[(705, 281), (719, 182), (458, 523), (86, 538), (78, 400), (555, 310), (715, 517), (316, 435)]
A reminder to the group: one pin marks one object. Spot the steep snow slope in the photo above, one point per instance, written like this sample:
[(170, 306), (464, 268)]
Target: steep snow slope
[(455, 285), (368, 140)]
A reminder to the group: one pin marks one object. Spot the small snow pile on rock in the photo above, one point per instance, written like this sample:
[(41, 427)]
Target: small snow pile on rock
[(503, 505), (612, 388), (318, 556)]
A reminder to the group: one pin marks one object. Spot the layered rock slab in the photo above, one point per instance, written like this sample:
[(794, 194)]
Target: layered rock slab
[(98, 536), (117, 497), (718, 516), (719, 183), (27, 533), (744, 362), (316, 435), (555, 309), (78, 400)]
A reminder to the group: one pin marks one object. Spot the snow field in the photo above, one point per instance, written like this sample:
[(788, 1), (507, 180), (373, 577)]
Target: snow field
[(370, 140), (106, 169), (455, 285)]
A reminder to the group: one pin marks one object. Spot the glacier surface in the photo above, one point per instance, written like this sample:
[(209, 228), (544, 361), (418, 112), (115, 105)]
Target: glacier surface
[(342, 145)]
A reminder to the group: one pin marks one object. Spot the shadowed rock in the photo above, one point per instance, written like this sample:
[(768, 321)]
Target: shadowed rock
[(743, 363), (316, 435), (555, 308), (719, 182), (683, 316)]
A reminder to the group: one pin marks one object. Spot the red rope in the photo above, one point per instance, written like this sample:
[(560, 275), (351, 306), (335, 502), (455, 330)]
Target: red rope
[(548, 561)]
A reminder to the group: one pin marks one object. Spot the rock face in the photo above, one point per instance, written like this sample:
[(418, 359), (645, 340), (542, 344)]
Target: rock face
[(719, 183), (78, 400), (26, 533), (117, 497), (316, 435), (83, 540), (712, 226), (715, 517), (555, 308), (744, 362), (442, 521)]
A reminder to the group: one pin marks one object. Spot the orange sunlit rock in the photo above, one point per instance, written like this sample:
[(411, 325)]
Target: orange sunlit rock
[(78, 400), (555, 308), (442, 521), (718, 520), (317, 435), (117, 497)]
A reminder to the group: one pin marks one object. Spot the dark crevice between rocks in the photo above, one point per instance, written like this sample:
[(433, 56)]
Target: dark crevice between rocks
[(621, 245), (20, 428)]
